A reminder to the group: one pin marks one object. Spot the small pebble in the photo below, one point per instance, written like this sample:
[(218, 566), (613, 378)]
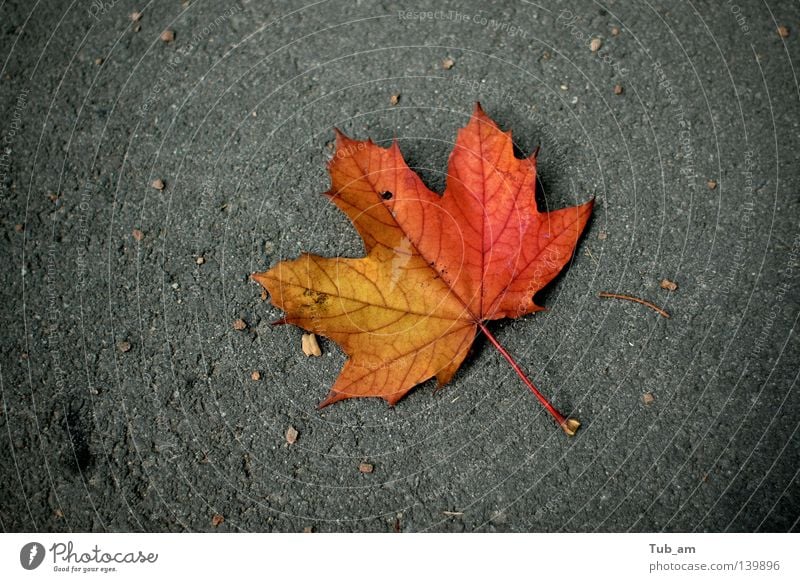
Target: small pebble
[(217, 520), (448, 63), (783, 31), (595, 45), (563, 87), (366, 467), (137, 27), (602, 235), (310, 345), (291, 435), (98, 61), (19, 227), (394, 99), (648, 398), (308, 529), (124, 346), (135, 16), (614, 31), (137, 234), (712, 184), (168, 35), (668, 285), (200, 260), (239, 325), (158, 184), (255, 376), (618, 89), (263, 295)]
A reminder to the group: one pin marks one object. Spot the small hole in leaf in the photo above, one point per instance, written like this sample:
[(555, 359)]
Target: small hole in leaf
[(386, 195)]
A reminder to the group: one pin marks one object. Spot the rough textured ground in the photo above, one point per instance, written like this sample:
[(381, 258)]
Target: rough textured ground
[(236, 116)]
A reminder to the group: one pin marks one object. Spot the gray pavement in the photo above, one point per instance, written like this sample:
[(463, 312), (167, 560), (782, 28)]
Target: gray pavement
[(127, 397)]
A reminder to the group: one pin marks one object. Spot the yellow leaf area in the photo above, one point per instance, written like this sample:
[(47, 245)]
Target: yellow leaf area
[(392, 314)]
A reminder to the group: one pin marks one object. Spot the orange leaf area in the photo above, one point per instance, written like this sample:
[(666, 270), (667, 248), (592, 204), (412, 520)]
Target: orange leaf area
[(437, 267)]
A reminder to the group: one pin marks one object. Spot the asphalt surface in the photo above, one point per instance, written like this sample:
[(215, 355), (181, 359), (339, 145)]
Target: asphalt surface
[(127, 397)]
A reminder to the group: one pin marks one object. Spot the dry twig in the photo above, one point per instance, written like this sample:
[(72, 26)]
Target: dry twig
[(655, 308)]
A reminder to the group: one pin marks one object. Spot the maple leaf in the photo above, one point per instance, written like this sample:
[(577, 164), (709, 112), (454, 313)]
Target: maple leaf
[(437, 267)]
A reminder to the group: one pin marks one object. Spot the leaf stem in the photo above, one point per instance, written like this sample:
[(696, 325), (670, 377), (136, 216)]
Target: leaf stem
[(568, 425)]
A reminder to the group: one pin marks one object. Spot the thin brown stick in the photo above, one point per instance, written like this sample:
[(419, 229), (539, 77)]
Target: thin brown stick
[(655, 308)]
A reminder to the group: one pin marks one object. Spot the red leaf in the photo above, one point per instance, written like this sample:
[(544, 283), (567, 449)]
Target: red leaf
[(437, 267)]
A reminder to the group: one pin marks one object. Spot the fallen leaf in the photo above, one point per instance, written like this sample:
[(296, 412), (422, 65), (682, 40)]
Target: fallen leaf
[(437, 267), (310, 345), (668, 285)]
